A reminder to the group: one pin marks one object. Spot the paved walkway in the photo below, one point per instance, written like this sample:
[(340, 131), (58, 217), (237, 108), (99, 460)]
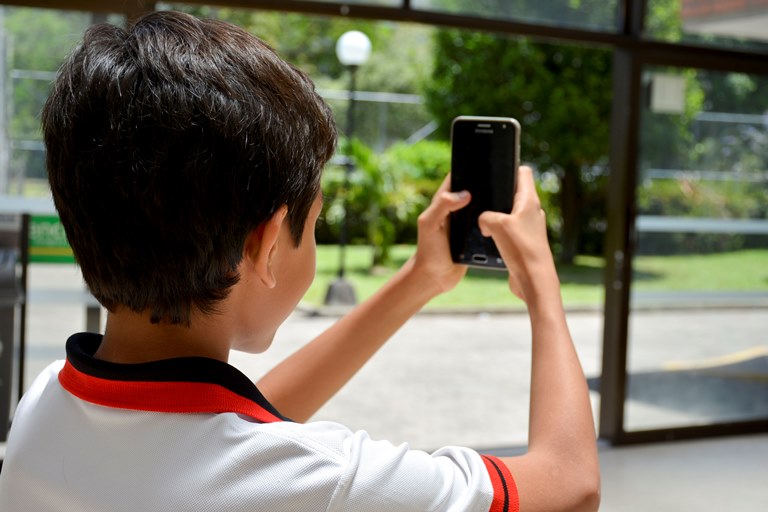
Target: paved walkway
[(464, 379)]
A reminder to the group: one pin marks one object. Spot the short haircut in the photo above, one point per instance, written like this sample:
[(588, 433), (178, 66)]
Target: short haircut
[(167, 144)]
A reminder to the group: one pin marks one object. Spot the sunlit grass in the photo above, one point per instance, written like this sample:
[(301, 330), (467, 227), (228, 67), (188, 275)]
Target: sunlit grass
[(732, 271), (582, 282)]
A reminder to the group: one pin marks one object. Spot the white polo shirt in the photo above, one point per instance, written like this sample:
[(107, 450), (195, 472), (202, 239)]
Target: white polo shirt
[(194, 434)]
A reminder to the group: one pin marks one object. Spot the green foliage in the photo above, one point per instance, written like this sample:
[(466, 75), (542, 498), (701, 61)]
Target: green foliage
[(690, 197), (726, 163), (399, 63), (38, 40), (35, 41), (577, 13), (581, 282), (734, 92), (664, 21), (667, 139), (426, 163), (386, 194), (560, 95), (308, 42), (550, 89)]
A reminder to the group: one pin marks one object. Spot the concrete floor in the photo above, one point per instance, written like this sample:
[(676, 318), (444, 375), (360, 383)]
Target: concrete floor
[(464, 379), (716, 474)]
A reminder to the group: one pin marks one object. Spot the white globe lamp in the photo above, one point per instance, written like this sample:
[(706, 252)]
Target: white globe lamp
[(353, 48)]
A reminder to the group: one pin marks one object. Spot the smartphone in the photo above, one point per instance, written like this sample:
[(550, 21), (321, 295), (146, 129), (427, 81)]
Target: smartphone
[(485, 154)]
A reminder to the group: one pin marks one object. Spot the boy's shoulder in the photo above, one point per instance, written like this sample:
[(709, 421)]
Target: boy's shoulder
[(195, 422)]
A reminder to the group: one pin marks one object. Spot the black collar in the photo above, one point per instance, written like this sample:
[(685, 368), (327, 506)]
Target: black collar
[(181, 385)]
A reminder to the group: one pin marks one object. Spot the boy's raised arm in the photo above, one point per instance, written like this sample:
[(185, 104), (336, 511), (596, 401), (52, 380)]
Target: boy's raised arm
[(303, 382), (560, 471)]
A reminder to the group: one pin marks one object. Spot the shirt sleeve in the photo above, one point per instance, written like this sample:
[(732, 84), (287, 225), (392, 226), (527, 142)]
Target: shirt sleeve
[(381, 477), (505, 497)]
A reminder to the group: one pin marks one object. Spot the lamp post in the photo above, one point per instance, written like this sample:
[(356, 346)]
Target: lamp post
[(352, 49)]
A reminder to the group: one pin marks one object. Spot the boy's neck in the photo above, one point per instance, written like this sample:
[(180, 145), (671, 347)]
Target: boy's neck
[(131, 338)]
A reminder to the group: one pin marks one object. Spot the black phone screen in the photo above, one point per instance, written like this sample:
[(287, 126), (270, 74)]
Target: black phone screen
[(484, 162)]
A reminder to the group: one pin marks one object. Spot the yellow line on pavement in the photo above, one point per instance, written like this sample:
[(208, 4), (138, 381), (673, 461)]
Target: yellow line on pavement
[(724, 360)]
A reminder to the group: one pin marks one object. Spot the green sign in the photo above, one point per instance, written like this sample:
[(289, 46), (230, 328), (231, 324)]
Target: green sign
[(47, 240)]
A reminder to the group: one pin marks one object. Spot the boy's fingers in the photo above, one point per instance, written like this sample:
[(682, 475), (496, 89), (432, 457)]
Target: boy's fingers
[(447, 199), (455, 200), (444, 202), (526, 187), (444, 186), (489, 221)]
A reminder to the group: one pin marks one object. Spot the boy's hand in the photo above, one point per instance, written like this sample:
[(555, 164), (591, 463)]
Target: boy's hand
[(433, 256), (521, 237)]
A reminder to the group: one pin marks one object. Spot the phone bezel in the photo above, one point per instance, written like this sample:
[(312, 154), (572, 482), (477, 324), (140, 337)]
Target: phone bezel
[(476, 259)]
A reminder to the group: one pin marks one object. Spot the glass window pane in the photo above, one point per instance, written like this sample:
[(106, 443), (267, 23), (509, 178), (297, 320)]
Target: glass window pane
[(33, 43), (739, 24), (389, 107), (698, 351), (388, 3), (592, 14)]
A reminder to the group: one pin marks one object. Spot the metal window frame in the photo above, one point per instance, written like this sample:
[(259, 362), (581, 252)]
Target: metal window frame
[(632, 53), (620, 247), (629, 63)]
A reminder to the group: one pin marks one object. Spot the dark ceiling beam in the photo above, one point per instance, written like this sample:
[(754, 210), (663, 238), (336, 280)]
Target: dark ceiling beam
[(130, 8), (405, 13), (662, 53), (136, 9), (109, 6)]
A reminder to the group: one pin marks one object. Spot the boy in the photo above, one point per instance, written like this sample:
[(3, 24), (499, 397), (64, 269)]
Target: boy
[(184, 159)]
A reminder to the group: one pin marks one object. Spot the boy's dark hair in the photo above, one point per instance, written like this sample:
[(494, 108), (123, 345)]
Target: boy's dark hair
[(167, 144)]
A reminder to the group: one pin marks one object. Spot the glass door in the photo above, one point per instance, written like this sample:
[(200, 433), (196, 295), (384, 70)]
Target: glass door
[(697, 350)]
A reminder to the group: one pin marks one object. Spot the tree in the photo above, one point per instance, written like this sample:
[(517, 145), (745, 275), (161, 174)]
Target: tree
[(579, 13), (386, 194), (38, 41), (560, 94), (399, 63), (34, 42)]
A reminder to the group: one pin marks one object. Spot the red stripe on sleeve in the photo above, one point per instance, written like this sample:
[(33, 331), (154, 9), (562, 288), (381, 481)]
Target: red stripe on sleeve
[(505, 497), (178, 397)]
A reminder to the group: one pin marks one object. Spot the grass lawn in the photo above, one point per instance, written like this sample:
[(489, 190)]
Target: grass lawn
[(582, 282)]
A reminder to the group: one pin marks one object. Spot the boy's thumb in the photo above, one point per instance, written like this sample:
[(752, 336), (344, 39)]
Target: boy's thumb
[(453, 201), (458, 199), (489, 222)]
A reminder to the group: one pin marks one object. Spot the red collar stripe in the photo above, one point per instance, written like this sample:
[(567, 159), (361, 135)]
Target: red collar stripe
[(174, 397)]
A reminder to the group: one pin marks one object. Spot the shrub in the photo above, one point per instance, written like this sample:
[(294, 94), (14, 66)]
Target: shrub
[(386, 194), (691, 197)]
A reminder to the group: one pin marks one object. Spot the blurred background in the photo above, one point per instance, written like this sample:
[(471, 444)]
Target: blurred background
[(646, 122)]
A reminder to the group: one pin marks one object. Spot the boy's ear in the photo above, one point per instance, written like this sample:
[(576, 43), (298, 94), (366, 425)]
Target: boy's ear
[(261, 246)]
